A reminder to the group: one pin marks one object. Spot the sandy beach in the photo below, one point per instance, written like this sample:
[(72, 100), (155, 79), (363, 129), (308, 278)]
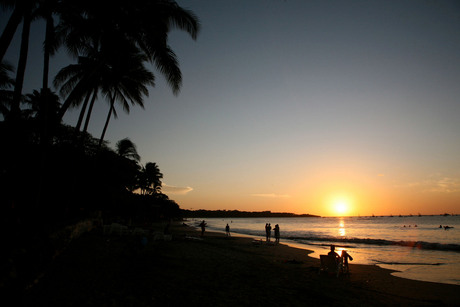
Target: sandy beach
[(98, 270)]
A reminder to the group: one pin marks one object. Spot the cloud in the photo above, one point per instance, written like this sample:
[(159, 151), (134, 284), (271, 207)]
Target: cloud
[(169, 189), (445, 185), (435, 184), (271, 195)]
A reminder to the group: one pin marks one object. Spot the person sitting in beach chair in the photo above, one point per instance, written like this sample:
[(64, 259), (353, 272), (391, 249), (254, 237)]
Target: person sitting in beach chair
[(333, 253), (329, 265)]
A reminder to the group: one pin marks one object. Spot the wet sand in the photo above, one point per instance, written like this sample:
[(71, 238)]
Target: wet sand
[(215, 270)]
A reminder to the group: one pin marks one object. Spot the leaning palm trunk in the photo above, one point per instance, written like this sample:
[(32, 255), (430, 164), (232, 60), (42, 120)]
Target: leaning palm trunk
[(88, 114), (9, 31), (15, 110), (81, 86), (46, 67), (112, 102), (82, 112)]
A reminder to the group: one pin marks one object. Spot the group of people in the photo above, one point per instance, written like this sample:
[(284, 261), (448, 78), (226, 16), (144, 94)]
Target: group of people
[(268, 229), (268, 232)]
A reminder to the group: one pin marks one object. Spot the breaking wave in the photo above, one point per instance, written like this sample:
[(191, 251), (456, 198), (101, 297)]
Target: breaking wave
[(381, 242)]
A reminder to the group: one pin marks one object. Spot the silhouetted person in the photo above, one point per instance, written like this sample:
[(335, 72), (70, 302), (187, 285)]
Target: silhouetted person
[(268, 231), (333, 253), (203, 227), (227, 230), (277, 233), (345, 257)]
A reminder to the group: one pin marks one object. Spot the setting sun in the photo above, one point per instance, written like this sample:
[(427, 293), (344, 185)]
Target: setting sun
[(340, 206)]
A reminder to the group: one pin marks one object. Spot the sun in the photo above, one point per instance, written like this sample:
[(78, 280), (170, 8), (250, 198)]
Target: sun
[(341, 207)]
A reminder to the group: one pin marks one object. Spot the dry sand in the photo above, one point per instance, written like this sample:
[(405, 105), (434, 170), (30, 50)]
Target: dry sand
[(98, 270)]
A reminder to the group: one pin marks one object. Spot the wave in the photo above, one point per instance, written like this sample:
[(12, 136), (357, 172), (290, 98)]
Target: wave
[(381, 242), (406, 263)]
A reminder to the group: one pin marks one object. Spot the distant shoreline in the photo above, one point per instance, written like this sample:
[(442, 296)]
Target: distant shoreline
[(202, 213), (236, 213)]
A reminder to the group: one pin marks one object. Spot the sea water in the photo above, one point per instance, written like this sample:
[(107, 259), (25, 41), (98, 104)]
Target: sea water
[(416, 247)]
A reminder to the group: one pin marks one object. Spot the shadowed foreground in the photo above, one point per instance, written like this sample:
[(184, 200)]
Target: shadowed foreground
[(99, 270)]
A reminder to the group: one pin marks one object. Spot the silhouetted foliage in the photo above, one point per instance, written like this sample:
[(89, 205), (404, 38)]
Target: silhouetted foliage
[(78, 181), (52, 175)]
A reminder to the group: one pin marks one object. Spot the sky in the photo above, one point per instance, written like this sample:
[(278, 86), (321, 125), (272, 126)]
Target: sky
[(319, 107)]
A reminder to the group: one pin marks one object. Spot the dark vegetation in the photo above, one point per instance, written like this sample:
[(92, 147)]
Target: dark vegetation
[(58, 181)]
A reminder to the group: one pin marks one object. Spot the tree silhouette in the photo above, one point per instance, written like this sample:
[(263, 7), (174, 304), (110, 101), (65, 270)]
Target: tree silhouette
[(6, 86), (141, 23), (150, 179), (127, 149)]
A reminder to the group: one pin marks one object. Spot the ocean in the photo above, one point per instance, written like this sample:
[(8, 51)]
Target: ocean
[(414, 246)]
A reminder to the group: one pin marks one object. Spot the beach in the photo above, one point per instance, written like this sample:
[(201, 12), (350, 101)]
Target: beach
[(214, 270)]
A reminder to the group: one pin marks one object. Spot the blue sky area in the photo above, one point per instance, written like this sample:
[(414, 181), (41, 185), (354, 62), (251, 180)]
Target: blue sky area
[(299, 105)]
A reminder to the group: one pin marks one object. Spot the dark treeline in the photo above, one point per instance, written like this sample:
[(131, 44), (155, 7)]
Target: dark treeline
[(44, 197), (236, 213), (54, 176)]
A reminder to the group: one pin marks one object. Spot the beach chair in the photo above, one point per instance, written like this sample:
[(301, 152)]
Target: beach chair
[(330, 265)]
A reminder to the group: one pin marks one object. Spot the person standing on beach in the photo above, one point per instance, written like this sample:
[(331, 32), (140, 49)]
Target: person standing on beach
[(227, 230), (345, 257), (268, 230), (203, 227), (277, 233)]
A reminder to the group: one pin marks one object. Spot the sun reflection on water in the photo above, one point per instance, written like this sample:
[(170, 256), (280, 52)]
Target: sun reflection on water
[(342, 231)]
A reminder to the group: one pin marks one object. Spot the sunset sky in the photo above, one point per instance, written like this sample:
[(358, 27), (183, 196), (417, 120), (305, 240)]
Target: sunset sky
[(303, 106)]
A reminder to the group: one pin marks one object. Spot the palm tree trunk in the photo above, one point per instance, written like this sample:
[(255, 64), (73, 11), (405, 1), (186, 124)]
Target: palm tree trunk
[(70, 99), (46, 68), (82, 112), (82, 84), (15, 110), (9, 31), (112, 102), (88, 114), (47, 50)]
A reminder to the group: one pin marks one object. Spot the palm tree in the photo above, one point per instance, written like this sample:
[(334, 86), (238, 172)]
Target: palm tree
[(46, 10), (27, 8), (6, 84), (128, 163), (154, 21), (150, 179), (127, 149), (112, 66), (144, 23), (80, 81), (125, 80), (20, 8), (43, 105)]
